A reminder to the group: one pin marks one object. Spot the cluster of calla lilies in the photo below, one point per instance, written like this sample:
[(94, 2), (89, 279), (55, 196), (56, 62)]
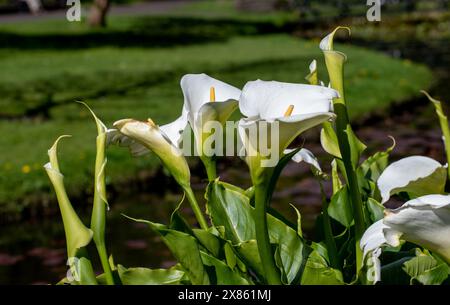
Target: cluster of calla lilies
[(240, 239)]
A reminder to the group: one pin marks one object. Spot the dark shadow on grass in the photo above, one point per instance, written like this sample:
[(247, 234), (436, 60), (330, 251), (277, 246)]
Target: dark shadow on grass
[(144, 32), (35, 99)]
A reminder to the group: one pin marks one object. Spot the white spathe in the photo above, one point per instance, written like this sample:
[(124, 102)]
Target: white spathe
[(264, 103), (424, 221), (269, 100), (304, 155), (142, 137), (417, 175)]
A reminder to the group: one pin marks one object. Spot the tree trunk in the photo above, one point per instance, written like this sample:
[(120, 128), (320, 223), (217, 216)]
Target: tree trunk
[(97, 14)]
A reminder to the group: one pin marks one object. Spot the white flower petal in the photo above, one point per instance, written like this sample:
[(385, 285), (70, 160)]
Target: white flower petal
[(313, 66), (424, 221), (196, 91), (417, 175), (174, 130), (270, 99), (305, 155), (149, 135)]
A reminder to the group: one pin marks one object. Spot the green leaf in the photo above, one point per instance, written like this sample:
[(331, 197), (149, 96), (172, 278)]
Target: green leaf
[(393, 273), (248, 250), (184, 248), (426, 269), (356, 146), (223, 274), (340, 208), (145, 276), (375, 209), (336, 181), (317, 272), (299, 221), (232, 211), (373, 166), (208, 240), (329, 141)]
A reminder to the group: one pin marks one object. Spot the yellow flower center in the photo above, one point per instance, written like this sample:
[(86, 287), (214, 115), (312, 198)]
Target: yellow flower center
[(289, 111), (212, 94)]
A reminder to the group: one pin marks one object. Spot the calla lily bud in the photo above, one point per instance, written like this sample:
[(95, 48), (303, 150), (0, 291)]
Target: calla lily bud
[(143, 137), (312, 77), (334, 61), (77, 234)]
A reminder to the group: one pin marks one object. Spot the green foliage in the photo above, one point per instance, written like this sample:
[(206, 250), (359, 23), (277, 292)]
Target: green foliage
[(48, 65)]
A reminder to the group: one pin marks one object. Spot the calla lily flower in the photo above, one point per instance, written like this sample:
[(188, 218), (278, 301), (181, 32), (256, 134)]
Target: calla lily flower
[(200, 91), (206, 99), (293, 108), (424, 221), (416, 175), (143, 137)]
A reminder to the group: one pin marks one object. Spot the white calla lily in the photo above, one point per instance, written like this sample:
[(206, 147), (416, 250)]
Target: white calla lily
[(424, 221), (417, 175), (285, 109), (207, 99), (143, 137)]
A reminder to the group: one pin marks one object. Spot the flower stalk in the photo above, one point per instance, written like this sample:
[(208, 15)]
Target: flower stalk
[(98, 217), (271, 271), (335, 65)]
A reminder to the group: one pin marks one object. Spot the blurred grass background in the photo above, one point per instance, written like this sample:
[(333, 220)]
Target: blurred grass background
[(132, 69)]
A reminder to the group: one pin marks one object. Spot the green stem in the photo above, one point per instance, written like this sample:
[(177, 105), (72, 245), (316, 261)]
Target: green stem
[(335, 66), (328, 232), (352, 182), (271, 271), (210, 166), (195, 207)]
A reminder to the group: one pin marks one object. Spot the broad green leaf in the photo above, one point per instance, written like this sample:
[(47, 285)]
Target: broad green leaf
[(184, 248), (375, 209), (356, 146), (373, 166), (317, 272), (426, 269), (329, 141), (223, 274), (208, 240), (230, 257), (232, 211), (248, 250), (340, 208), (145, 276), (393, 273)]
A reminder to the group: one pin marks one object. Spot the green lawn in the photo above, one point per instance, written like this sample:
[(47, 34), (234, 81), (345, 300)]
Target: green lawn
[(132, 69)]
